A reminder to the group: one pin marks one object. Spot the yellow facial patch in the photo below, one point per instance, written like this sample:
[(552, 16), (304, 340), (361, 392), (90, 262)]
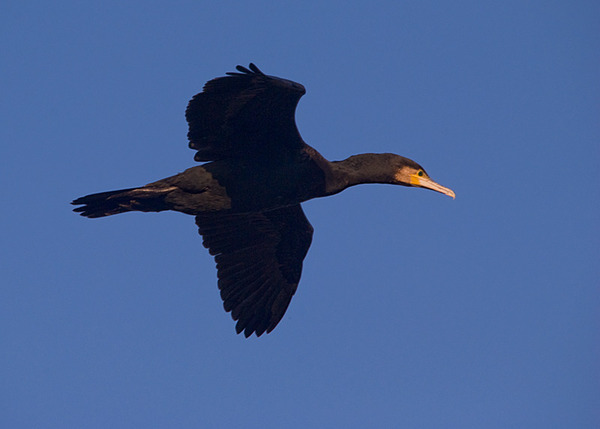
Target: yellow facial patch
[(405, 176), (415, 179)]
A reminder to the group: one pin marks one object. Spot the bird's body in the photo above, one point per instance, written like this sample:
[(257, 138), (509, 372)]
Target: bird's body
[(247, 197)]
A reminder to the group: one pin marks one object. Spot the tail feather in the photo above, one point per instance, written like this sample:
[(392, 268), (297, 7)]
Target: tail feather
[(102, 204)]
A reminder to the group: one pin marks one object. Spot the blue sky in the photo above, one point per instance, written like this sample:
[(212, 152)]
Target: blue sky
[(414, 310)]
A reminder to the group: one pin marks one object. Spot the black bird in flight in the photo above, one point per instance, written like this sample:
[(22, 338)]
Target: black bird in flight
[(246, 197)]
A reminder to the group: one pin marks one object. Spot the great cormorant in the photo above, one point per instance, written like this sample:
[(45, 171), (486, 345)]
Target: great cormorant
[(246, 197)]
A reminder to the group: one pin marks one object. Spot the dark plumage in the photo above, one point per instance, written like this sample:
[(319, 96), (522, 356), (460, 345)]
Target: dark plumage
[(246, 198)]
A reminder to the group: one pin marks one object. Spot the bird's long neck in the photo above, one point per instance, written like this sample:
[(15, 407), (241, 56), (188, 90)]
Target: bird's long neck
[(357, 169)]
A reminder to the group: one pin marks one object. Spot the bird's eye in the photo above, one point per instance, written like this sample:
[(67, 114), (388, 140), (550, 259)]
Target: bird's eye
[(420, 173)]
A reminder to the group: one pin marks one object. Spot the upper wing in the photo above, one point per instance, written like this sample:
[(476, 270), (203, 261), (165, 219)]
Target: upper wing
[(244, 114), (259, 262)]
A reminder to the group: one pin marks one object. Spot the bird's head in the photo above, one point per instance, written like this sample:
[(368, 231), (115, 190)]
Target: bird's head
[(409, 173), (382, 168)]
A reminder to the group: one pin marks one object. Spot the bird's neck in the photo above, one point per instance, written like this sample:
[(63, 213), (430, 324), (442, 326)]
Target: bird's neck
[(355, 170)]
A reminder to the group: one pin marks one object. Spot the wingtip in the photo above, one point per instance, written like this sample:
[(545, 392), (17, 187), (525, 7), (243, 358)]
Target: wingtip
[(256, 69), (251, 70), (248, 330)]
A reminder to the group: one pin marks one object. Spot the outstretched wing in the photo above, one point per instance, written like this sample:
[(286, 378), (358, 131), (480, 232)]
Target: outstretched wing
[(259, 262), (244, 114)]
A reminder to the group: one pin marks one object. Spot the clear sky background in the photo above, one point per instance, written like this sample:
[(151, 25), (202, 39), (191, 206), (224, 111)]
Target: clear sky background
[(414, 310)]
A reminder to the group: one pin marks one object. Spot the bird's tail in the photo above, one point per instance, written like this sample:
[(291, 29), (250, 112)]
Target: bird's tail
[(145, 199)]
